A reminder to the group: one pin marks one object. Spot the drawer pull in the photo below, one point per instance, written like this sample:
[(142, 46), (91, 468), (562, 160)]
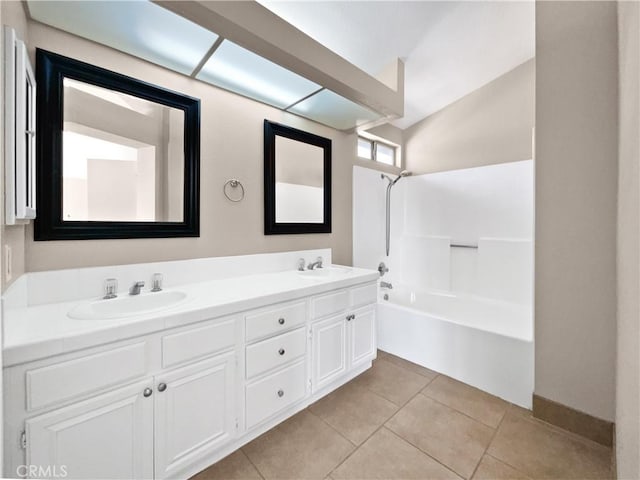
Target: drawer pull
[(281, 393), (281, 320), (162, 387), (281, 351), (350, 317), (147, 392)]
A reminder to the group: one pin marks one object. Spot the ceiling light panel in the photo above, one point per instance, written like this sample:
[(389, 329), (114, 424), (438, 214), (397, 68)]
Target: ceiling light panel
[(234, 68), (331, 109), (139, 28)]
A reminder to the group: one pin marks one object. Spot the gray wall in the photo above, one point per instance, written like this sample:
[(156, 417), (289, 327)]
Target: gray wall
[(576, 187), (628, 363), (490, 125)]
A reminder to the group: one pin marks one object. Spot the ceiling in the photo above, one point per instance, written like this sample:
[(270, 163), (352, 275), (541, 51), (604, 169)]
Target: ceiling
[(148, 31), (449, 48)]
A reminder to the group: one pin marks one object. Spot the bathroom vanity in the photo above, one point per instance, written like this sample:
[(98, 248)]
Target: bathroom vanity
[(166, 394)]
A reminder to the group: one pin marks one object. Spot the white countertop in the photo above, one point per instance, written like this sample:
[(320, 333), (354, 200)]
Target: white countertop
[(39, 331)]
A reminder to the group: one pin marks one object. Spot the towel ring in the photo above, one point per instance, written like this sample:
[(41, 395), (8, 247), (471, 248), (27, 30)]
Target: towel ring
[(233, 183)]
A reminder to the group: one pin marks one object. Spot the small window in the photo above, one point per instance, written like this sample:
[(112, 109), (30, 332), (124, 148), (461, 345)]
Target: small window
[(376, 151), (385, 154), (365, 148)]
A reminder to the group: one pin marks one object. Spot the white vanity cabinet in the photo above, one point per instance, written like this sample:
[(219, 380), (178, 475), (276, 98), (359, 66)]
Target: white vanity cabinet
[(343, 333), (165, 422), (170, 403), (150, 407)]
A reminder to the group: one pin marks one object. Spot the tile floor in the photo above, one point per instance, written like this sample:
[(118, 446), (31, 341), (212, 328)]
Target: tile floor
[(402, 421)]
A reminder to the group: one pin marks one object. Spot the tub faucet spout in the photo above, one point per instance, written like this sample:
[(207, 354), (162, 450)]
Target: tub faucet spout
[(386, 285)]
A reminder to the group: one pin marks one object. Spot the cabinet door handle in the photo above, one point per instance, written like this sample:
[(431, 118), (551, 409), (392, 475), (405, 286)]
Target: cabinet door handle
[(281, 351), (147, 392), (162, 387), (280, 393), (350, 317), (281, 320)]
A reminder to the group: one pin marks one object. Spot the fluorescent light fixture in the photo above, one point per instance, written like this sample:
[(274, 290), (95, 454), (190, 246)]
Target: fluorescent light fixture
[(140, 28), (234, 68), (331, 109)]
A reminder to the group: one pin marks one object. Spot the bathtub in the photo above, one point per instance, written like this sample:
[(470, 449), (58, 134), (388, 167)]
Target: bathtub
[(479, 341)]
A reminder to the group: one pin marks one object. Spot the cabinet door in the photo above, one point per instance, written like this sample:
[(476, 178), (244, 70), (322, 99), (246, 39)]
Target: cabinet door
[(329, 347), (362, 334), (195, 413), (109, 436)]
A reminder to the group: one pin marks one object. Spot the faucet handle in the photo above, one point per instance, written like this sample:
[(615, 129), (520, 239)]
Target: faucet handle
[(156, 282), (301, 264), (319, 261), (110, 288)]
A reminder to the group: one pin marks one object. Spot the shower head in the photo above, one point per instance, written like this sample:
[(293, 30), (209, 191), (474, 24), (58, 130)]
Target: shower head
[(392, 182)]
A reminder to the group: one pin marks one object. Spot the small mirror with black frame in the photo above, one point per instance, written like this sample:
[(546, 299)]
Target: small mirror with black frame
[(116, 157), (297, 181)]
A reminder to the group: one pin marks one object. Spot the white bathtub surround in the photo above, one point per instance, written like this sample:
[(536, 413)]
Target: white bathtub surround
[(167, 393), (485, 343), (434, 216)]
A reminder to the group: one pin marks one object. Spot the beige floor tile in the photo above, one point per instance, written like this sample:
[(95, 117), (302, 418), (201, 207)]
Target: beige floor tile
[(406, 364), (354, 411), (473, 402), (235, 466), (493, 469), (447, 435), (302, 447), (394, 383), (543, 452), (517, 410), (385, 455)]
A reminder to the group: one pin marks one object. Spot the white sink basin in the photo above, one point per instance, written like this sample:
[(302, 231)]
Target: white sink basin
[(325, 273), (127, 305)]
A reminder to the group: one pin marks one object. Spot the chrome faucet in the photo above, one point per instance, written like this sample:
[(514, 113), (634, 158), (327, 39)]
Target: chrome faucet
[(386, 285), (136, 287), (316, 264)]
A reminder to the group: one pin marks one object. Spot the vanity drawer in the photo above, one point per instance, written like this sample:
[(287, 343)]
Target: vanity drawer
[(73, 378), (278, 319), (274, 352), (197, 342), (364, 295), (272, 394), (330, 303)]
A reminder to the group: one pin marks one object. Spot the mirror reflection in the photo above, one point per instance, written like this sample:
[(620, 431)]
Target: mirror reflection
[(299, 182), (123, 157)]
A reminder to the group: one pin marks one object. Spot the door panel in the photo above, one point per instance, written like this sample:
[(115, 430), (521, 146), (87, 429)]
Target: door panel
[(363, 337), (329, 351), (109, 436), (195, 414)]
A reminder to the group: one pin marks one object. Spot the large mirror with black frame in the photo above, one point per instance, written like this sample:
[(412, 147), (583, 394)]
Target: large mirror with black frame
[(297, 181), (116, 157)]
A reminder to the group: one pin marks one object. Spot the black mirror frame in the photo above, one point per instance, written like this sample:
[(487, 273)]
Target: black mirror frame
[(271, 129), (51, 69)]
